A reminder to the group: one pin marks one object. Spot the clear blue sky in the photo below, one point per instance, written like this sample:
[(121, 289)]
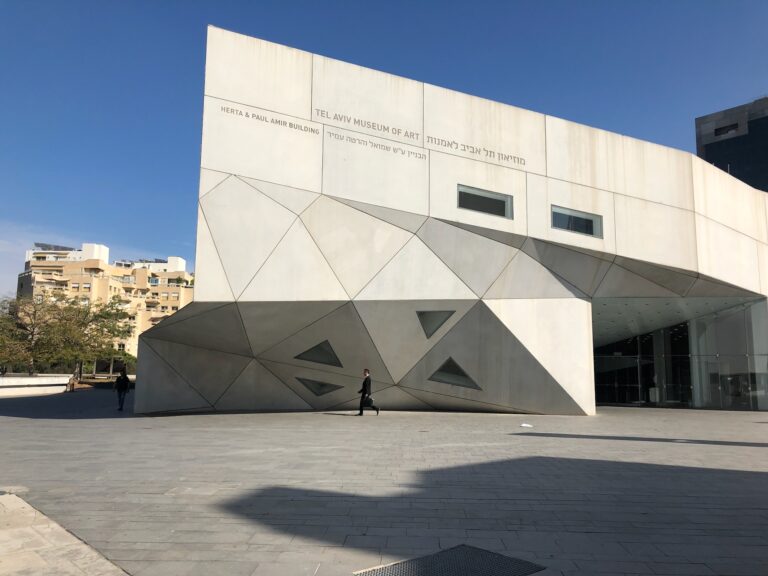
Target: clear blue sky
[(101, 100)]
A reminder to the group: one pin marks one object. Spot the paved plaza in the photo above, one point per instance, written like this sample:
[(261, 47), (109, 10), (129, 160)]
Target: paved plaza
[(629, 491)]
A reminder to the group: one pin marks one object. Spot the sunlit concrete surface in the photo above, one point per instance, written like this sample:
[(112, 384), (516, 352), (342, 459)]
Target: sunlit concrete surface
[(31, 543), (630, 491)]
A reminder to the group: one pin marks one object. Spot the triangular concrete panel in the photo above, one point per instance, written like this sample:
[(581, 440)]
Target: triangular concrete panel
[(159, 388), (258, 389), (558, 333), (583, 271), (356, 245), (246, 226), (452, 404), (508, 373), (405, 220), (677, 281), (209, 179), (705, 287), (390, 398), (514, 240), (218, 329), (397, 333), (295, 199), (621, 283), (267, 323), (346, 334), (209, 372), (524, 277), (211, 283), (189, 311), (415, 273), (296, 270), (473, 258), (608, 257), (349, 385)]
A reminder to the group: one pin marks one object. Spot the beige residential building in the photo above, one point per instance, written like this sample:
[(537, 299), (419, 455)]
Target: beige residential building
[(149, 290)]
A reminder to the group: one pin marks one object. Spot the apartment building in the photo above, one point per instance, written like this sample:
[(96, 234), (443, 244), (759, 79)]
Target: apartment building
[(149, 290)]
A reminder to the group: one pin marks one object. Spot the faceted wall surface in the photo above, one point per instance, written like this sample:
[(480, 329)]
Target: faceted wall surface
[(330, 240)]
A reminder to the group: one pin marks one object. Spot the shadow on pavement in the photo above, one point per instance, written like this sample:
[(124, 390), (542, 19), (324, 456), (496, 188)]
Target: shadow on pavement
[(81, 404), (541, 508), (644, 439)]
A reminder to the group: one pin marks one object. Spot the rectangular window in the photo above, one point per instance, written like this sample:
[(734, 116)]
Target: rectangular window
[(485, 201), (723, 130), (174, 295), (576, 221), (75, 285), (165, 295), (121, 347), (87, 286), (174, 308), (163, 308)]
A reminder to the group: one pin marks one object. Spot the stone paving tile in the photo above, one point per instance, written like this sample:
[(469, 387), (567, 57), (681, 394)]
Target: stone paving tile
[(31, 543), (289, 493)]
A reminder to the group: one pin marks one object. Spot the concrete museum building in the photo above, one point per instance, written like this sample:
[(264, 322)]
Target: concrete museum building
[(473, 255)]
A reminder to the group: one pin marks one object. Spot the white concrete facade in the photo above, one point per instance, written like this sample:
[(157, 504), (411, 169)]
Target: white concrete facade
[(329, 219)]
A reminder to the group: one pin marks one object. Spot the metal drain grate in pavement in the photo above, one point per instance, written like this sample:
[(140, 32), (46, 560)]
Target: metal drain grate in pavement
[(457, 561)]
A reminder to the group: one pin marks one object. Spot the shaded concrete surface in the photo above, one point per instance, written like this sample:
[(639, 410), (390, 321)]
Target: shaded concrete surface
[(31, 543), (629, 491)]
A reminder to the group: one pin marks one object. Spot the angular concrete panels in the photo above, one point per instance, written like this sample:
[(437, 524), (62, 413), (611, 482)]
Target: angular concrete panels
[(400, 335), (292, 198), (258, 389), (475, 259), (416, 273), (211, 283), (335, 227), (468, 252), (159, 388), (232, 211), (548, 330), (295, 270), (338, 343)]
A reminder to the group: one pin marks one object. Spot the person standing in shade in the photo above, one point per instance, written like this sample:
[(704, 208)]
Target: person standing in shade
[(121, 385), (366, 400)]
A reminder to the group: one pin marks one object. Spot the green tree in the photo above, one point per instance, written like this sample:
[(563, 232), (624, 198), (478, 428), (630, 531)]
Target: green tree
[(26, 327), (47, 329), (87, 331)]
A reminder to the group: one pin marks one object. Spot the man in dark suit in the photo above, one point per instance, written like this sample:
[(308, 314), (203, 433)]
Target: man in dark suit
[(366, 394)]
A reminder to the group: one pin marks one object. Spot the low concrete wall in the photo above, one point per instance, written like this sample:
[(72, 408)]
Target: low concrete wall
[(23, 381)]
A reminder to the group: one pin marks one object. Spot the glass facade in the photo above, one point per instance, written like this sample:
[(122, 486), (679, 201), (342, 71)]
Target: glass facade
[(719, 361)]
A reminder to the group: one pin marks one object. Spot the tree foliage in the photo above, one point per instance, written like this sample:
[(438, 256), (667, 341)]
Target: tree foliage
[(57, 330)]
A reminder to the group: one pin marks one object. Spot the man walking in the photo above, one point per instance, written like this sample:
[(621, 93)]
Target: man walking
[(121, 385), (366, 400)]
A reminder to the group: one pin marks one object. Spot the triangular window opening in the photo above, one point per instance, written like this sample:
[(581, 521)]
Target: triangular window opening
[(318, 388), (432, 320), (451, 373), (323, 353)]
